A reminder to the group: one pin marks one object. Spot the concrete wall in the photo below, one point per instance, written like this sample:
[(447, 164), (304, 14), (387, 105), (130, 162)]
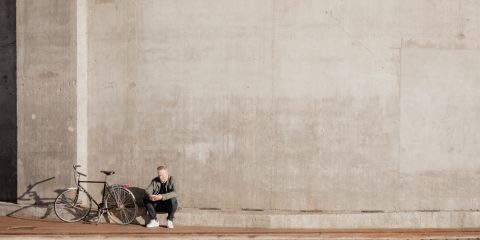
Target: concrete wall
[(46, 90), (337, 106), (8, 102), (298, 105)]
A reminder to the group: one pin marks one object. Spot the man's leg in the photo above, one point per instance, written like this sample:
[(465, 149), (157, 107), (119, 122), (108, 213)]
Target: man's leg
[(169, 206), (151, 208), (172, 208)]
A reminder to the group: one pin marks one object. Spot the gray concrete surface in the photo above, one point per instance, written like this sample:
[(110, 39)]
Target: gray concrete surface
[(8, 101), (303, 106), (46, 90)]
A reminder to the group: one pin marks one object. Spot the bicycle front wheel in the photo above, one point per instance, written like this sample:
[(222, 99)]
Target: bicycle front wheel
[(72, 205), (121, 205)]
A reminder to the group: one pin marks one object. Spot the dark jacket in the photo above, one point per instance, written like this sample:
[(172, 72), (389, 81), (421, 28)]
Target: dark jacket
[(154, 188)]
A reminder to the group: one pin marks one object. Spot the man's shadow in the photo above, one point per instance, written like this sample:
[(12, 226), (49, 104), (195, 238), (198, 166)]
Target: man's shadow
[(139, 194), (38, 202)]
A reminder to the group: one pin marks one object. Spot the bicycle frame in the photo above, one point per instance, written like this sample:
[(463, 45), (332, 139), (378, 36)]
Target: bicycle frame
[(106, 187)]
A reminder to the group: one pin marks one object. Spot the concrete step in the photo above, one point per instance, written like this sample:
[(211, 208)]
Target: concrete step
[(283, 219)]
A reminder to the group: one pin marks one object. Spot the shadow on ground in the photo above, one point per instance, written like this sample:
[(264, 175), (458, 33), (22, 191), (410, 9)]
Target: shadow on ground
[(40, 208)]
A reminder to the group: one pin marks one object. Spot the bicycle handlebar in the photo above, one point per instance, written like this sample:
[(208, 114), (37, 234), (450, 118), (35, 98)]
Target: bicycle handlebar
[(75, 169)]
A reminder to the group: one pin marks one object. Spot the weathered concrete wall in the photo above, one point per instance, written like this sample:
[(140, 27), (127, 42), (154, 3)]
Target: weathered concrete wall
[(46, 34), (336, 106), (298, 105), (8, 102)]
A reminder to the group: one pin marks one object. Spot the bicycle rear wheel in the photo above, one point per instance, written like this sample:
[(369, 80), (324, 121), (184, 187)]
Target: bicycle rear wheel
[(121, 205), (72, 205)]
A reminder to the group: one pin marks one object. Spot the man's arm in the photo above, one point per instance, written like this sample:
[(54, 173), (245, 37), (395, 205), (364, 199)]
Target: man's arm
[(150, 189), (172, 193)]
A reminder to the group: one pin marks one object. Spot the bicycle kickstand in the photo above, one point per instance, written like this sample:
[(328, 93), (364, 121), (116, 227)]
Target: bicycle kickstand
[(101, 212)]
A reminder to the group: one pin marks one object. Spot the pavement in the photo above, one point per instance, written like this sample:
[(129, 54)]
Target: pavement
[(18, 228)]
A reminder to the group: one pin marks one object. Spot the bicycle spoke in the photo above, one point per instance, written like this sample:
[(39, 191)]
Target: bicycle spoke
[(123, 197), (121, 206), (115, 193), (72, 205), (124, 215)]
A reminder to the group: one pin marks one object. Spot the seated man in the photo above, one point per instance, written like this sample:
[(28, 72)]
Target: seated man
[(161, 197)]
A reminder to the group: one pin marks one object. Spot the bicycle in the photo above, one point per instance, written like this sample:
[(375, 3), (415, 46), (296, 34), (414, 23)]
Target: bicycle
[(74, 204)]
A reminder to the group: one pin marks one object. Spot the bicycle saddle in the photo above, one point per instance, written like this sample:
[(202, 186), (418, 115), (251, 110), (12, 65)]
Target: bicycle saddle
[(107, 172)]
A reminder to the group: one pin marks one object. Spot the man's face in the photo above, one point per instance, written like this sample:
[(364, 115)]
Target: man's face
[(163, 175)]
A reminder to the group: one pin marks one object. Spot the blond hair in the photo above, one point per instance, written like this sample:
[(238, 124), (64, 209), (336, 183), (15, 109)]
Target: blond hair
[(161, 167)]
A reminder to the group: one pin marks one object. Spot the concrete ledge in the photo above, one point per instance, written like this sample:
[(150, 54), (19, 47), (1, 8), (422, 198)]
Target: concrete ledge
[(274, 219), (285, 219)]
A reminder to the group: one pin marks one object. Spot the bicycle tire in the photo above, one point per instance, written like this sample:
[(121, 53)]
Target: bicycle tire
[(121, 205), (72, 205)]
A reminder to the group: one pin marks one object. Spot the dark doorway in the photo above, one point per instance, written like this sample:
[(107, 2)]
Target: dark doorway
[(8, 101)]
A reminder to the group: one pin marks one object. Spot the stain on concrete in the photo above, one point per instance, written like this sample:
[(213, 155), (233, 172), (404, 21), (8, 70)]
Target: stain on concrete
[(47, 74), (252, 209), (215, 209), (104, 1)]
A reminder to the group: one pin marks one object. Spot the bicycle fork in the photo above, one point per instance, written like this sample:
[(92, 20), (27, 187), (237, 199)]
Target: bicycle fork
[(101, 212)]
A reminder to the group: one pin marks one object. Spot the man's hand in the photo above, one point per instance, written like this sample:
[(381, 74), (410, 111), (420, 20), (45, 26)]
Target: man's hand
[(155, 197)]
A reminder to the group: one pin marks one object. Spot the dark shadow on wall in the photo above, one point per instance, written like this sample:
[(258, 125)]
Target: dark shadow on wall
[(139, 194), (8, 101), (45, 205)]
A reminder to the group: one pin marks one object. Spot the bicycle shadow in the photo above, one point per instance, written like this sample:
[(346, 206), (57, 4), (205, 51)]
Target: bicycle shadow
[(44, 204)]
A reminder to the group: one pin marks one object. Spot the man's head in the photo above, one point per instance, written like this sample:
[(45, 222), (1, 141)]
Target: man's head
[(162, 173)]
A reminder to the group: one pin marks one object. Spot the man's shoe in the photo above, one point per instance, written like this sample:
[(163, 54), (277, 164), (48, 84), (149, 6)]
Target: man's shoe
[(153, 223), (169, 224)]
